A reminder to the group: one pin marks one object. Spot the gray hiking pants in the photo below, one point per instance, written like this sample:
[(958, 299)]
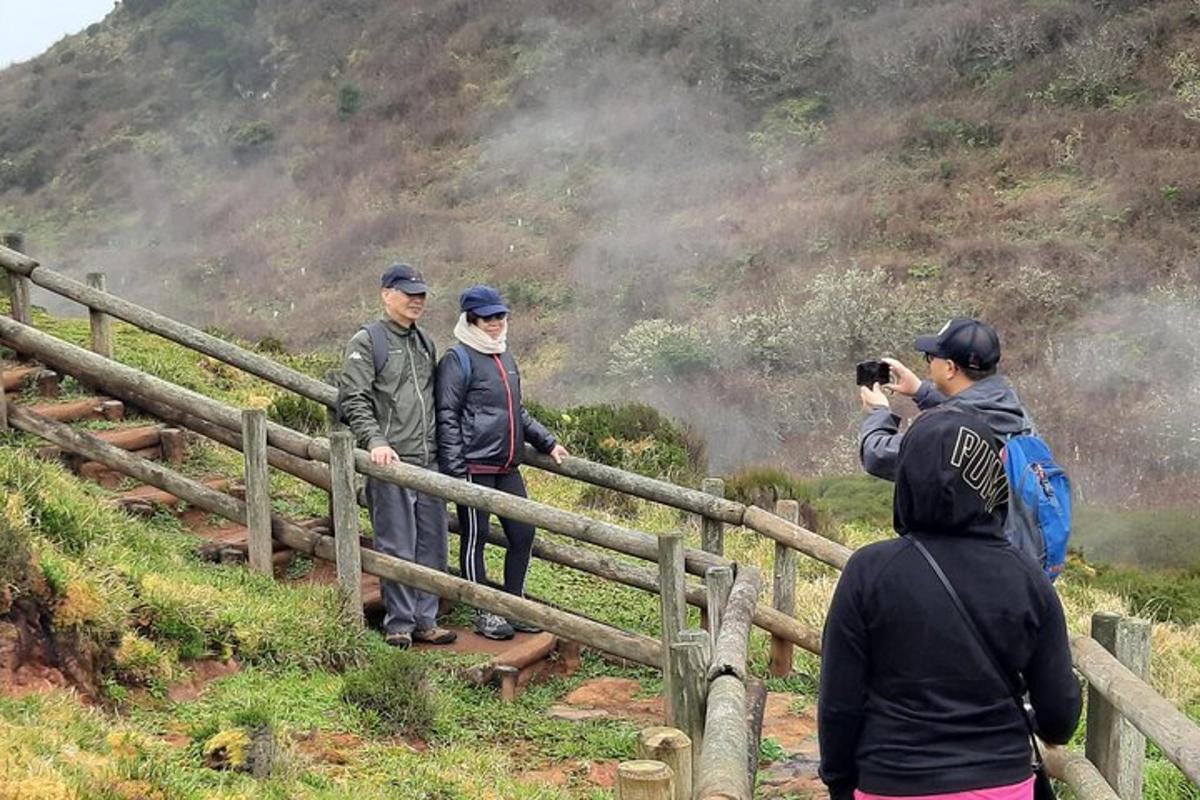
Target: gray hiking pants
[(412, 526)]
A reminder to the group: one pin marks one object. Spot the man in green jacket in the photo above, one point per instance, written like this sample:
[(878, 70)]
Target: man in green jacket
[(390, 410)]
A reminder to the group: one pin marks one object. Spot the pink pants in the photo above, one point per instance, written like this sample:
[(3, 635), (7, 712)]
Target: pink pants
[(1016, 791)]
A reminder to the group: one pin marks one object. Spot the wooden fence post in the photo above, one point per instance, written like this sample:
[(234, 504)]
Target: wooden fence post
[(712, 531), (1113, 744), (689, 662), (645, 780), (18, 285), (672, 747), (101, 323), (258, 490), (674, 614), (3, 410), (345, 523), (783, 593), (717, 583)]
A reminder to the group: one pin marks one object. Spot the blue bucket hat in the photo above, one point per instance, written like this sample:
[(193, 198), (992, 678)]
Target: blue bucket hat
[(482, 301)]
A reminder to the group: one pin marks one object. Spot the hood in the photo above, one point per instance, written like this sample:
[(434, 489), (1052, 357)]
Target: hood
[(997, 402), (950, 480)]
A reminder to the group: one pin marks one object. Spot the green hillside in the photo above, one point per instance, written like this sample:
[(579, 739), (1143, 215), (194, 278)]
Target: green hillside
[(712, 206)]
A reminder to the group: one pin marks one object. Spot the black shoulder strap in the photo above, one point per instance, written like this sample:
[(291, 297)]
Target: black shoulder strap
[(1013, 689), (379, 343)]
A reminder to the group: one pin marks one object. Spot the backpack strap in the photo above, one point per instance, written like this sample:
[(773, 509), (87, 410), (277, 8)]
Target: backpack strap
[(379, 343), (464, 363)]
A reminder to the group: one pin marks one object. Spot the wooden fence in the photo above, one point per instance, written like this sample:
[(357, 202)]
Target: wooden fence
[(711, 700)]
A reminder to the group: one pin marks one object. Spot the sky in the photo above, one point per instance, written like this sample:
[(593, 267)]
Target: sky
[(28, 27)]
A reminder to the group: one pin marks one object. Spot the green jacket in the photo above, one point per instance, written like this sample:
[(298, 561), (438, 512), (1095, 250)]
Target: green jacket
[(395, 407)]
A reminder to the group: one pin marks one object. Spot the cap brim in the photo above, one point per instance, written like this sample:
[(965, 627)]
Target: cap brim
[(487, 311), (410, 287), (927, 344)]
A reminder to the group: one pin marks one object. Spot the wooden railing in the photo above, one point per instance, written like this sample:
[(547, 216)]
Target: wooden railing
[(1124, 704)]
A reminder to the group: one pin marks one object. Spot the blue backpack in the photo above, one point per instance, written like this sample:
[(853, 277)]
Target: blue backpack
[(1039, 519)]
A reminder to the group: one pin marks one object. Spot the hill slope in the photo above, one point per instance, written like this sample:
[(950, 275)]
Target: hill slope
[(717, 206)]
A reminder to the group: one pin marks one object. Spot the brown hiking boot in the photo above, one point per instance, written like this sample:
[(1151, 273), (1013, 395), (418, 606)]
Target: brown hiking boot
[(434, 635)]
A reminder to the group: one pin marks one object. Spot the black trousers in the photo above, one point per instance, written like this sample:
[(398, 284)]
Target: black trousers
[(473, 523)]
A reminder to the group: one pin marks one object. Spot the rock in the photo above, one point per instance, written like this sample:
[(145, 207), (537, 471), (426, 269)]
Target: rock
[(604, 692), (577, 714)]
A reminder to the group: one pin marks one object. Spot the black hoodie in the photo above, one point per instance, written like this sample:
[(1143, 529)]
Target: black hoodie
[(909, 704)]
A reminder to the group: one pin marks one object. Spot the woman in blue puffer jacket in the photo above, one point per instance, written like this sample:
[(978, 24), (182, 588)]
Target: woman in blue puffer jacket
[(482, 428)]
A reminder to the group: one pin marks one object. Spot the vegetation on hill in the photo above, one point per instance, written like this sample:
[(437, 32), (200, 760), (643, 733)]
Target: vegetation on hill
[(714, 207)]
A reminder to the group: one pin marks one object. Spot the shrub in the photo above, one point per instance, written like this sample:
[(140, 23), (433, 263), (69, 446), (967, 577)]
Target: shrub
[(349, 100), (633, 437), (251, 139), (1185, 80), (139, 661), (856, 498), (393, 689), (658, 349), (766, 339), (28, 171), (299, 413), (15, 556), (1095, 69), (790, 123)]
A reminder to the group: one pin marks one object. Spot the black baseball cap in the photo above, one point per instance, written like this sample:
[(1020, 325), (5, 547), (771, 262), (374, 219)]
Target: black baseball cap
[(405, 278), (967, 342)]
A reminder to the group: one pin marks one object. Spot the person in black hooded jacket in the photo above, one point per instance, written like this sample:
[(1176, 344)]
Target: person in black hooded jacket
[(909, 703), (482, 427)]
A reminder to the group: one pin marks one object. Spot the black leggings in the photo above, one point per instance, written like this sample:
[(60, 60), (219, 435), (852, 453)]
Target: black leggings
[(473, 523)]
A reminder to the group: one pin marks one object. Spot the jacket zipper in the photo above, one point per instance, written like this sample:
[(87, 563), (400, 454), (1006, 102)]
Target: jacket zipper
[(512, 428), (412, 368)]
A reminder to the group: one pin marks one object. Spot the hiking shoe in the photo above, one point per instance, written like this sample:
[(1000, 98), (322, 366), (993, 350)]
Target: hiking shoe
[(434, 635), (493, 626), (399, 640), (522, 627)]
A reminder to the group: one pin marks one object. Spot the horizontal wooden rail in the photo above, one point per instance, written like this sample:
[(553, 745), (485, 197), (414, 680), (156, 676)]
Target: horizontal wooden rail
[(1078, 773), (1175, 734), (623, 644)]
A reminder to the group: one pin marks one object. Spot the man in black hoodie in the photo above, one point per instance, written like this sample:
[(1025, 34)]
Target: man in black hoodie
[(962, 359), (909, 702)]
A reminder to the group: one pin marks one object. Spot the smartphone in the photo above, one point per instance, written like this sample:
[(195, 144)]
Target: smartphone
[(869, 373)]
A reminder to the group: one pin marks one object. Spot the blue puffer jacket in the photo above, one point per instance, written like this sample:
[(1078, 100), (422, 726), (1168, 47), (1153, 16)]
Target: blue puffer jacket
[(482, 426)]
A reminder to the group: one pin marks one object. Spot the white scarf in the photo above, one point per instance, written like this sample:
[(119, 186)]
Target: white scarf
[(474, 337)]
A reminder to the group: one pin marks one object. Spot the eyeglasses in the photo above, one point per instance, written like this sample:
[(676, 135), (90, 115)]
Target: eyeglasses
[(495, 317)]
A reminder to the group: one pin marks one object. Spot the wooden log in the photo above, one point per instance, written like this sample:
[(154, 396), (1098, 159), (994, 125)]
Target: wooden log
[(101, 323), (783, 593), (174, 445), (673, 608), (645, 780), (718, 582), (345, 523), (722, 772), (14, 378), (1081, 775), (797, 538), (258, 490), (622, 644), (1113, 744), (12, 259), (112, 410), (3, 410), (689, 662), (1177, 736), (733, 639), (124, 381), (712, 529), (18, 280), (138, 438), (672, 747), (96, 471), (72, 411), (569, 654), (521, 655), (46, 383), (508, 678), (756, 706)]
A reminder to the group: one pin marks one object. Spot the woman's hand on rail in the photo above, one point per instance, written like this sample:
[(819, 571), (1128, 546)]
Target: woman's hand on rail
[(559, 453), (383, 456)]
